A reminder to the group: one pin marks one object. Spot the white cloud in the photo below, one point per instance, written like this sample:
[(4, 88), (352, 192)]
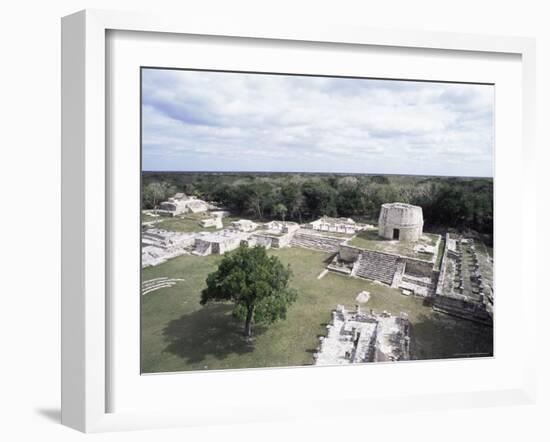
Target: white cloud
[(230, 121)]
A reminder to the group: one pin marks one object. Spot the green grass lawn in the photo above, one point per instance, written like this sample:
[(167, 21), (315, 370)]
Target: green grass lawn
[(179, 334), (369, 239), (332, 234), (146, 217), (188, 223)]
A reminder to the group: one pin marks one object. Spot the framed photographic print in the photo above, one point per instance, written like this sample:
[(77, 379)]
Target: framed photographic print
[(318, 218)]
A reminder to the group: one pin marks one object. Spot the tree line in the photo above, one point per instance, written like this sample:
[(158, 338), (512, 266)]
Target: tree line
[(461, 203)]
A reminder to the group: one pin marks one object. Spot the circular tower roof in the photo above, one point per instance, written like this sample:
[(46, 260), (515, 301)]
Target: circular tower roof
[(402, 214)]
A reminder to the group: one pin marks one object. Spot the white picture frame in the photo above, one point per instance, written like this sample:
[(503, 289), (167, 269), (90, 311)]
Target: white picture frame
[(86, 356)]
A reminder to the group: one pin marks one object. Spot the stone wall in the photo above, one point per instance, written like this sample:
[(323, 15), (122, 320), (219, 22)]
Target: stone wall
[(460, 286), (348, 253), (283, 240), (418, 267), (358, 337), (227, 245), (309, 239), (443, 268), (461, 306)]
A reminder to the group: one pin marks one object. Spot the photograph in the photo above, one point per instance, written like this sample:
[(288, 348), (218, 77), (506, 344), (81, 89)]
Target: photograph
[(293, 220)]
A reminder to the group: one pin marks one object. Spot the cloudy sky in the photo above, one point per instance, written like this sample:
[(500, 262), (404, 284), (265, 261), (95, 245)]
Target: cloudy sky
[(217, 121)]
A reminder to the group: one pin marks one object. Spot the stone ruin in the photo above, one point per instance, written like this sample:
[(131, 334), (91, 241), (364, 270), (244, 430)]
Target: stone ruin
[(158, 246), (357, 337), (461, 286), (412, 275), (218, 243), (335, 225), (181, 203), (393, 263), (276, 234), (244, 225), (215, 222), (400, 221), (465, 283), (316, 240)]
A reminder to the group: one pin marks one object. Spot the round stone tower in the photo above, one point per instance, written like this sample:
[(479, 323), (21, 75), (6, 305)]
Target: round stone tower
[(400, 221)]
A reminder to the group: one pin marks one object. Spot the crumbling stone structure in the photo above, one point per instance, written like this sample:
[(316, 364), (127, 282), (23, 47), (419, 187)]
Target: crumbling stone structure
[(244, 225), (400, 221), (464, 287), (218, 243), (357, 336), (336, 225), (276, 234), (157, 245), (181, 203), (215, 221), (310, 239)]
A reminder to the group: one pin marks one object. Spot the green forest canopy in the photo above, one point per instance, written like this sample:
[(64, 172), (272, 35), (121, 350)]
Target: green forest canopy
[(449, 202)]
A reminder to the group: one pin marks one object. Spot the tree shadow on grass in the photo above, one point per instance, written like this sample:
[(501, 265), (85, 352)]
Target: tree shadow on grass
[(441, 336), (211, 330)]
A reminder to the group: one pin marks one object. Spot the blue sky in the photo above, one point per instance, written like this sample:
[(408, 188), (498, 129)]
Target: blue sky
[(219, 121)]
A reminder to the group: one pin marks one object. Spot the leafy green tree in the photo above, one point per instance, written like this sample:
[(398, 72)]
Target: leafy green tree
[(460, 203), (154, 193), (349, 199), (320, 198), (259, 197), (280, 210), (257, 284), (293, 199)]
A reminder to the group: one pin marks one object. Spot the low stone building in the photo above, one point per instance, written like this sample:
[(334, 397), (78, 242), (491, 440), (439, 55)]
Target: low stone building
[(281, 226), (336, 225), (157, 245), (400, 221), (244, 225), (195, 205), (180, 204), (276, 234), (211, 222), (316, 240), (357, 336), (218, 243), (465, 284)]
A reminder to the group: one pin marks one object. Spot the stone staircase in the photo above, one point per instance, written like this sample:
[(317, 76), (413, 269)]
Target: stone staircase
[(399, 273), (153, 239), (308, 240), (157, 284), (376, 266)]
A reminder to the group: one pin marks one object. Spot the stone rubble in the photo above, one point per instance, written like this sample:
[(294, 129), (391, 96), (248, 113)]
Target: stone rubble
[(357, 337), (465, 288), (157, 245), (363, 297), (181, 203), (336, 225)]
